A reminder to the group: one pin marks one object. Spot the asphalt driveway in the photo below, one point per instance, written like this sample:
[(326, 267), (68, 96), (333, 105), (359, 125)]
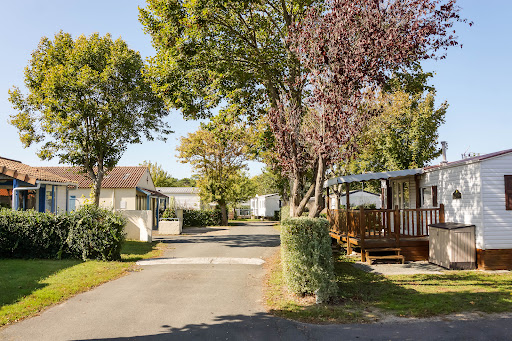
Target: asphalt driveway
[(207, 295)]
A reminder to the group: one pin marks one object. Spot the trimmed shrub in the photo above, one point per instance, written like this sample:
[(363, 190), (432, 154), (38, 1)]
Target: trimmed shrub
[(307, 257), (30, 234), (201, 218), (285, 212), (96, 233), (90, 232)]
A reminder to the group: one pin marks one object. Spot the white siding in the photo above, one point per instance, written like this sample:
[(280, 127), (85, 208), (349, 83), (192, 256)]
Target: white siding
[(497, 220), (468, 209)]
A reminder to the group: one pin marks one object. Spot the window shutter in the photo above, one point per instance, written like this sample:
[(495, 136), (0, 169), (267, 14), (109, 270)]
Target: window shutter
[(434, 196), (508, 192)]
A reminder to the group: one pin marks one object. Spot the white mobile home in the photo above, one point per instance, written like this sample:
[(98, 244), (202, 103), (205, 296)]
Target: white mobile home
[(474, 191), (184, 197), (265, 206)]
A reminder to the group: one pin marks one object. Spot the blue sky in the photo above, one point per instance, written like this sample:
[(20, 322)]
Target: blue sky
[(475, 80)]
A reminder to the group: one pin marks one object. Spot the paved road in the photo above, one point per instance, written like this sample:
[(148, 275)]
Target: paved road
[(214, 302)]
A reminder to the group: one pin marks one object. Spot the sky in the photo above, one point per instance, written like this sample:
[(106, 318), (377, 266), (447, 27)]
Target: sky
[(474, 80)]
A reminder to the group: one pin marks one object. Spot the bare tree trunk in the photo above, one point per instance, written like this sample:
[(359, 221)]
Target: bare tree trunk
[(224, 213), (319, 204), (294, 196), (97, 179)]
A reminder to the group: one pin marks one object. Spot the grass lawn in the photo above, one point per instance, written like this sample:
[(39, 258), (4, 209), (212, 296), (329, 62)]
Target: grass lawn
[(365, 297), (29, 286)]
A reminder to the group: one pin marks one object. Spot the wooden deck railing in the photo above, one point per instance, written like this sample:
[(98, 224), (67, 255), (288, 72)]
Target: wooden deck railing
[(384, 223)]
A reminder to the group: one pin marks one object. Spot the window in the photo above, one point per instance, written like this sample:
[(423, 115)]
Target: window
[(72, 203), (508, 192), (426, 196), (401, 194), (49, 199)]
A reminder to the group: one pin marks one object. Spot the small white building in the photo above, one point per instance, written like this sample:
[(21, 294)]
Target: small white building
[(357, 198), (265, 206), (184, 197)]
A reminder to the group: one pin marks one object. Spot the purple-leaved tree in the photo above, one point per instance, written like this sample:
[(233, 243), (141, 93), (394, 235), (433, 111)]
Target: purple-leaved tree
[(350, 48)]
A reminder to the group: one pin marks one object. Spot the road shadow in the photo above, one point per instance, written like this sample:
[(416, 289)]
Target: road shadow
[(259, 326), (262, 326), (252, 240)]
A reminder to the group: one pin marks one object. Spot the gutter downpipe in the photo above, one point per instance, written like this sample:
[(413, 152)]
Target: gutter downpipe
[(38, 186)]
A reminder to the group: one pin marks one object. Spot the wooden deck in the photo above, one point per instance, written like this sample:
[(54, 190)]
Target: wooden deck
[(371, 229)]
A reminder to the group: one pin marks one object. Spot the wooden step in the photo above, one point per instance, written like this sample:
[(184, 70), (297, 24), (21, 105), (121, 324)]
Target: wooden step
[(397, 257), (384, 249)]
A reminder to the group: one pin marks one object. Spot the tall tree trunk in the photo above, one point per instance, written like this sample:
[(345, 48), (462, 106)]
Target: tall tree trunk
[(97, 179), (223, 213), (319, 204)]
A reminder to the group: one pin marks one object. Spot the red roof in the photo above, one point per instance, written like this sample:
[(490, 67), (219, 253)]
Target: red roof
[(119, 177), (475, 158), (26, 173)]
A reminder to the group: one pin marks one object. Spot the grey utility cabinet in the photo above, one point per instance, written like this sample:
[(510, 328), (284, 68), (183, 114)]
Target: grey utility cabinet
[(452, 245)]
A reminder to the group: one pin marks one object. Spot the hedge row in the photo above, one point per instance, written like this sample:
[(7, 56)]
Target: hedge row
[(202, 218), (308, 267), (88, 233)]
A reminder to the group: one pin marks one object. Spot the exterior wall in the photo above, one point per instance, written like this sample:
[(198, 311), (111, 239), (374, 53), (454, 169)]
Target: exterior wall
[(139, 224), (60, 202), (109, 197), (467, 209), (497, 221), (146, 181), (187, 201), (265, 206)]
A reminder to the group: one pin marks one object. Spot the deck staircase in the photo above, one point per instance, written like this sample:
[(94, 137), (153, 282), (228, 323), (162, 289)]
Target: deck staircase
[(386, 253)]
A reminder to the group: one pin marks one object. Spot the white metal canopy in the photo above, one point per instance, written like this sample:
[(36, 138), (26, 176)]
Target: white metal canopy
[(371, 176)]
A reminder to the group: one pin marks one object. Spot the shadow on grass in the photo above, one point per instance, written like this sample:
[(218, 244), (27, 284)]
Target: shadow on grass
[(423, 295), (133, 251), (426, 295), (21, 277)]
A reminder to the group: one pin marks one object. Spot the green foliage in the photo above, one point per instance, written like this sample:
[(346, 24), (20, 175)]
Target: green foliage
[(197, 218), (163, 179), (405, 135), (307, 257), (29, 234), (218, 154), (285, 213), (88, 233), (88, 99), (170, 212), (271, 181), (221, 52), (96, 233)]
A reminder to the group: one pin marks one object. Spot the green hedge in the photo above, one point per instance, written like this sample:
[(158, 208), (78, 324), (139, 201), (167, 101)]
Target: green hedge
[(307, 257), (88, 233), (202, 218), (285, 213)]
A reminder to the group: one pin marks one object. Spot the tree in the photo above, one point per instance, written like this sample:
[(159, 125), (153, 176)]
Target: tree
[(160, 177), (350, 49), (217, 153), (88, 99), (271, 181), (230, 53), (242, 189), (405, 135)]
